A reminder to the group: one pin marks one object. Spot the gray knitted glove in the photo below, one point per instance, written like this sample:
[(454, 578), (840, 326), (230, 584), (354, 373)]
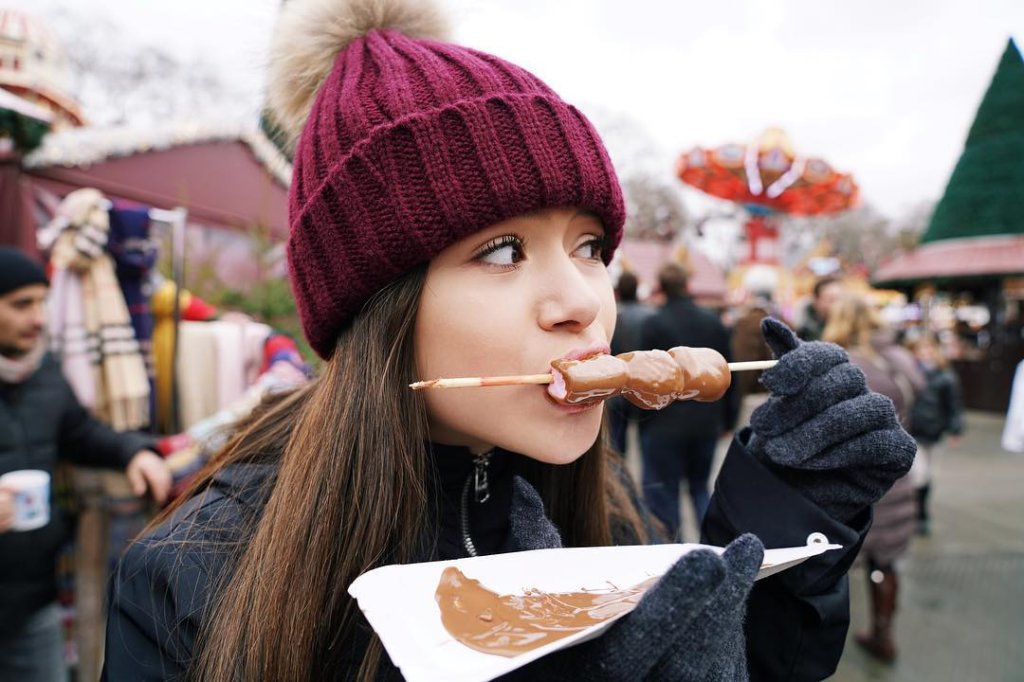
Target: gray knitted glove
[(822, 430), (689, 626)]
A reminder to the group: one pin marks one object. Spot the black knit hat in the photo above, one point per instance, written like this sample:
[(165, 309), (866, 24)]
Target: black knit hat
[(18, 270)]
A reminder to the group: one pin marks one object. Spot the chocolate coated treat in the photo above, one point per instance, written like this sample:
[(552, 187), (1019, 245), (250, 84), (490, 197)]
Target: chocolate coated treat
[(705, 373), (597, 377), (655, 379), (650, 379)]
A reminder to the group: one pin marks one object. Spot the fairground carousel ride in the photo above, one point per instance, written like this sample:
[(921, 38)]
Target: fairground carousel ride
[(769, 181)]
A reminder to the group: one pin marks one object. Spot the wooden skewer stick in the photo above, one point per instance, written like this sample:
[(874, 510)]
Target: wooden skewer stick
[(469, 382), (526, 379), (752, 365)]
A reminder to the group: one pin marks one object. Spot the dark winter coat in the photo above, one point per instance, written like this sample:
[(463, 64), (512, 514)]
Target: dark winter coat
[(629, 322), (813, 326), (796, 624), (41, 421), (892, 371), (748, 345), (937, 410), (681, 322)]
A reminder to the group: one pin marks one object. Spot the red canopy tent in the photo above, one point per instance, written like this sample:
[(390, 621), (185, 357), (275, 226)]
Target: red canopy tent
[(231, 181), (644, 258)]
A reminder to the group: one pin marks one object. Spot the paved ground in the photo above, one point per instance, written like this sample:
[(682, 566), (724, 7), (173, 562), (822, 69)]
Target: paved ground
[(961, 605)]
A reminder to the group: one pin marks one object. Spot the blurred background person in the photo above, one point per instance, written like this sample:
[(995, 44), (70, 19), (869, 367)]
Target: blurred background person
[(1013, 431), (748, 344), (42, 422), (827, 292), (628, 325), (937, 411), (679, 441), (892, 371), (747, 341)]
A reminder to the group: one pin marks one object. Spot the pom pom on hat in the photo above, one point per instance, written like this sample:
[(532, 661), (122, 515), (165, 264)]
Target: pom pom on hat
[(311, 33), (407, 144)]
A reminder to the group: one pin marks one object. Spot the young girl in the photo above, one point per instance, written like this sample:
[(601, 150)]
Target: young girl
[(451, 215), (937, 411)]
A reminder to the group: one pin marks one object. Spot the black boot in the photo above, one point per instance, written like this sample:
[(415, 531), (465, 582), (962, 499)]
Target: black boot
[(879, 642), (923, 517)]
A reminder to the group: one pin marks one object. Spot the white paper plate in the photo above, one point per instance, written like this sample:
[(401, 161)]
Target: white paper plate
[(398, 601)]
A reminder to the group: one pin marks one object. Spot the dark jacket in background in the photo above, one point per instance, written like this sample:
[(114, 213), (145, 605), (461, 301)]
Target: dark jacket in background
[(629, 322), (938, 409), (681, 322), (168, 581), (892, 371), (747, 346), (812, 326), (41, 421)]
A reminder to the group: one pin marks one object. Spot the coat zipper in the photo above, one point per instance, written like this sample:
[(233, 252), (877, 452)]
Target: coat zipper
[(481, 493)]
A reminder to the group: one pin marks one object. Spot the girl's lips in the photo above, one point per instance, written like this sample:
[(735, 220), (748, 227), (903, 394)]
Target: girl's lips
[(596, 348), (555, 391), (573, 408)]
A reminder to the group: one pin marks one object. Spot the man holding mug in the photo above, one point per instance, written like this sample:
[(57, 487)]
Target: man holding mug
[(42, 422)]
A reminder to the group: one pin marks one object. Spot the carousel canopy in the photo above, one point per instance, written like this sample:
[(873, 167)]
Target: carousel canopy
[(33, 66), (21, 106), (768, 177)]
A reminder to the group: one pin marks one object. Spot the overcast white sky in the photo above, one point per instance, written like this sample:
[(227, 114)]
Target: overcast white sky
[(885, 89)]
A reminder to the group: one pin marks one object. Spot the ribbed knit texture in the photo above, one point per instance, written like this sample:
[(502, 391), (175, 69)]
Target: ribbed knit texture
[(413, 144)]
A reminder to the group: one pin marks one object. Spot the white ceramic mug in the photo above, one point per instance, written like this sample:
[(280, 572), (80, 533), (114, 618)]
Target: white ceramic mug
[(30, 489)]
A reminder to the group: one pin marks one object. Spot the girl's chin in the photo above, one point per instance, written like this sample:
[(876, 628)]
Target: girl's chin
[(554, 451)]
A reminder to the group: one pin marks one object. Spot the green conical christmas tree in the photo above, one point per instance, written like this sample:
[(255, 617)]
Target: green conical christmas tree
[(985, 195)]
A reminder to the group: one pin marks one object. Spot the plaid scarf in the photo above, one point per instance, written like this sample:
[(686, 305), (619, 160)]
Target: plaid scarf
[(90, 328)]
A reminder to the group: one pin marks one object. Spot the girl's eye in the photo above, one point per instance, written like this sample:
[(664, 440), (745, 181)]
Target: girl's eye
[(593, 248), (505, 251)]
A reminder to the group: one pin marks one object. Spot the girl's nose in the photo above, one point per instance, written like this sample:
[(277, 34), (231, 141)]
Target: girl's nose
[(568, 300)]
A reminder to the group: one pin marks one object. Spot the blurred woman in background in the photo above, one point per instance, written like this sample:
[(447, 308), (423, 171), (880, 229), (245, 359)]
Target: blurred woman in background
[(892, 371)]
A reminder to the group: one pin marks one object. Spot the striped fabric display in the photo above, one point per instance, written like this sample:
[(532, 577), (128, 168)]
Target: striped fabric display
[(90, 328)]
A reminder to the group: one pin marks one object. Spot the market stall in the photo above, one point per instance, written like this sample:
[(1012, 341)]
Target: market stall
[(967, 273)]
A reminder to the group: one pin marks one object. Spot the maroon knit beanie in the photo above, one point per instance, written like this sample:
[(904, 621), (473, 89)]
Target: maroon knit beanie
[(412, 144)]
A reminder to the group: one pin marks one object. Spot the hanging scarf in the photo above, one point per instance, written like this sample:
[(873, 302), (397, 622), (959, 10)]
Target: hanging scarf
[(16, 370), (90, 327)]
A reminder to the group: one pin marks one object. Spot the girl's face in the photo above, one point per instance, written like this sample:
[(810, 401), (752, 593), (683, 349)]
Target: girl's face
[(508, 300)]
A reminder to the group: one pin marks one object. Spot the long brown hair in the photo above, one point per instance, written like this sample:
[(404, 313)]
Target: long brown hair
[(852, 322), (350, 494)]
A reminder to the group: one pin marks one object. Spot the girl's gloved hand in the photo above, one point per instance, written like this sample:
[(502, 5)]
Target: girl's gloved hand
[(822, 430), (689, 626)]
